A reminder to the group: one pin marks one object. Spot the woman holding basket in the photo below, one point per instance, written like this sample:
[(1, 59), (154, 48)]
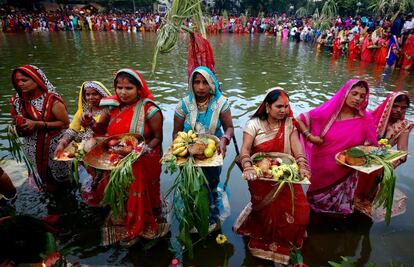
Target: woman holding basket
[(275, 224)]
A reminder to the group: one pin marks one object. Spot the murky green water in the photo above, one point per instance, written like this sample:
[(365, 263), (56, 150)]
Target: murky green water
[(247, 66)]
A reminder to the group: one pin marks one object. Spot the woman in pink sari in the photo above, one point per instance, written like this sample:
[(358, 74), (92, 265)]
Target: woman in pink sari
[(274, 229), (336, 125)]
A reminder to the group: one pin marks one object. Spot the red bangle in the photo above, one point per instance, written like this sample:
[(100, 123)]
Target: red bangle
[(227, 139)]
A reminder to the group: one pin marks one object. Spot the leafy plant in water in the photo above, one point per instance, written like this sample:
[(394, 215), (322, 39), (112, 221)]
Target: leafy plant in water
[(190, 203), (116, 192), (15, 148)]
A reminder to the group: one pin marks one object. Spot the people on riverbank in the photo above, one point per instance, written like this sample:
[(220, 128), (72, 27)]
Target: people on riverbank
[(40, 116), (206, 110), (274, 226)]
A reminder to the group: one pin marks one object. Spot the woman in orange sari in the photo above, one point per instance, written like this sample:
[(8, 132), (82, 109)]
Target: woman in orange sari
[(134, 111), (274, 229)]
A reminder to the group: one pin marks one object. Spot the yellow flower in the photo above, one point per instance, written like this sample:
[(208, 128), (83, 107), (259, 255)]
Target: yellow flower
[(383, 142), (284, 167), (295, 167), (221, 239)]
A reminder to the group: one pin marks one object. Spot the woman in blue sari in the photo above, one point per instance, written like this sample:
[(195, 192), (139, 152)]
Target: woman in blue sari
[(393, 50), (206, 110)]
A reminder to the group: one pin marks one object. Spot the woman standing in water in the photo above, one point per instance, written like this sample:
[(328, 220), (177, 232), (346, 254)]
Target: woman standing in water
[(206, 110), (132, 110), (340, 123), (274, 228), (40, 116)]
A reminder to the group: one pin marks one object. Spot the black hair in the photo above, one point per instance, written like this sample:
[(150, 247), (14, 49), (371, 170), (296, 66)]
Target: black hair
[(22, 239), (402, 98), (271, 98), (361, 84), (129, 77)]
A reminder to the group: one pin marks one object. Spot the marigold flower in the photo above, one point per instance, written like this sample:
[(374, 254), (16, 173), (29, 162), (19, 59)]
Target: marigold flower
[(383, 142), (221, 239)]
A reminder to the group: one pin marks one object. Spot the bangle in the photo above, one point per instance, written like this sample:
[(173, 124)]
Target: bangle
[(227, 138), (306, 134), (248, 168)]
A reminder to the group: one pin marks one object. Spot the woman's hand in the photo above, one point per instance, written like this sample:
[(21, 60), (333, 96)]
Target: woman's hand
[(249, 174), (304, 173), (315, 140), (87, 120), (60, 149), (30, 125), (222, 147)]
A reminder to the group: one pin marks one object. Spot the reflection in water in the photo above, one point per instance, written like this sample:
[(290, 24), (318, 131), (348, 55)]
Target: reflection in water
[(346, 237), (246, 66)]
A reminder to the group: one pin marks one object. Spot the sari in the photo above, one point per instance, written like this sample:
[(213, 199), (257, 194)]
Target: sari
[(207, 121), (366, 52), (40, 145), (353, 48), (380, 56), (91, 191), (273, 227), (333, 186), (408, 54), (368, 183), (391, 56), (143, 206)]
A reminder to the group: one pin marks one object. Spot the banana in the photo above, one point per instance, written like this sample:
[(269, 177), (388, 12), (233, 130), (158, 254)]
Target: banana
[(179, 150), (183, 153), (178, 139), (177, 145), (183, 135), (190, 133), (195, 139), (193, 136)]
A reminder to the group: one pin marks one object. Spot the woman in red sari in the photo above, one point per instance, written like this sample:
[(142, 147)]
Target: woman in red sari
[(408, 53), (40, 116), (354, 49), (134, 111), (273, 229), (366, 51), (380, 57), (390, 124)]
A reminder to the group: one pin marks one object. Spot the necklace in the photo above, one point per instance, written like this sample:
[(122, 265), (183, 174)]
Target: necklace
[(203, 105), (272, 126)]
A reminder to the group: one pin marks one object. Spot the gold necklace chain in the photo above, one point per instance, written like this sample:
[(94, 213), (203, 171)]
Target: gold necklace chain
[(203, 104)]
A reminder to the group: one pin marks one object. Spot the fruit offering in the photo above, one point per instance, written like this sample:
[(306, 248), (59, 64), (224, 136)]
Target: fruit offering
[(189, 143), (275, 168), (120, 147), (72, 150)]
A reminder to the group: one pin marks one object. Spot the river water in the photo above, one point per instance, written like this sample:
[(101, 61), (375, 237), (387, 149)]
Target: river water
[(246, 66)]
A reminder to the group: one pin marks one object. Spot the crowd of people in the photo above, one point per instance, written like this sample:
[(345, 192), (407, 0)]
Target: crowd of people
[(273, 227), (370, 39)]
